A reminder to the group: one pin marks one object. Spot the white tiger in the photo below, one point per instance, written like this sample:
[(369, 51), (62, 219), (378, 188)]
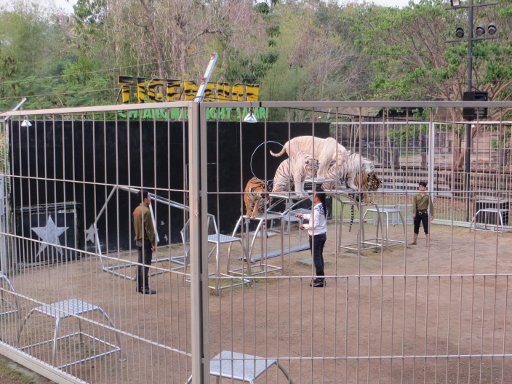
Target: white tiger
[(356, 172), (325, 150), (293, 171)]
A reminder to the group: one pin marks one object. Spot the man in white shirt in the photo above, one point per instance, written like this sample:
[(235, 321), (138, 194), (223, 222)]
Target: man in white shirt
[(317, 230)]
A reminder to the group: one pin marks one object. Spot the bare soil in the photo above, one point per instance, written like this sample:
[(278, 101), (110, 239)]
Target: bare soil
[(435, 312)]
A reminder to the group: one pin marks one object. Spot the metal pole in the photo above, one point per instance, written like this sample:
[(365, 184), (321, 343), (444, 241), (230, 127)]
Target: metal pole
[(18, 106), (198, 246), (197, 230), (431, 155), (5, 223), (467, 163), (206, 78)]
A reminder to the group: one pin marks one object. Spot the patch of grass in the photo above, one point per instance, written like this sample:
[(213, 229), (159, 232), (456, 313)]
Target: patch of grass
[(12, 373)]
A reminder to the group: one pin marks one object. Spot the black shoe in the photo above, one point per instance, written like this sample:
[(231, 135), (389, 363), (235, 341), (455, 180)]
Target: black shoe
[(319, 283), (147, 291)]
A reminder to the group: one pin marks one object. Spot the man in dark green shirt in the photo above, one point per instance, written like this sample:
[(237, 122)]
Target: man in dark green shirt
[(145, 240), (421, 206)]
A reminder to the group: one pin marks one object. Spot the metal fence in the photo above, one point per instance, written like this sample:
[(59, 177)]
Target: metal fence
[(233, 295)]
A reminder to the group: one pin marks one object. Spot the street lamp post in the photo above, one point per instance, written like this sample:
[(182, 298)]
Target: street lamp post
[(468, 138), (467, 157)]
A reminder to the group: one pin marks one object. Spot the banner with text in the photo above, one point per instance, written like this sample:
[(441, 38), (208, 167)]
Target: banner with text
[(142, 90)]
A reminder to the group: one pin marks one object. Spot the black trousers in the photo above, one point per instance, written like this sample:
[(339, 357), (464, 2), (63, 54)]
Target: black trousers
[(421, 218), (316, 244), (145, 256)]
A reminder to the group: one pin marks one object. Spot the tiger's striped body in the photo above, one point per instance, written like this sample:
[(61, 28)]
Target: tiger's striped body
[(293, 171), (255, 197), (325, 150), (356, 172)]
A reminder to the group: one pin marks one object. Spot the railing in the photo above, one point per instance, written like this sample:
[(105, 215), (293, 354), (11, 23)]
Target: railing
[(435, 312)]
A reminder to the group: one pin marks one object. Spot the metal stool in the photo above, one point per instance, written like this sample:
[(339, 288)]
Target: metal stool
[(242, 367), (386, 212), (7, 307), (261, 231), (218, 239), (499, 226), (70, 308)]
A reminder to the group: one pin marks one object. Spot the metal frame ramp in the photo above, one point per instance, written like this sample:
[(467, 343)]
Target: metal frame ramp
[(119, 268)]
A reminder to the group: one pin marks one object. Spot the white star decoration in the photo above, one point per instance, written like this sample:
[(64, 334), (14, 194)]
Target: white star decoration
[(90, 234), (50, 235)]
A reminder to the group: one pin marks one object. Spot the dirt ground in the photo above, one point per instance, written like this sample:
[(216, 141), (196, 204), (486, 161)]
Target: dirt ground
[(436, 312)]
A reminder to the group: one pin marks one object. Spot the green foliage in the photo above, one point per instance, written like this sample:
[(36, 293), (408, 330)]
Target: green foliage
[(295, 50), (34, 48), (503, 138), (403, 134), (252, 66), (249, 69), (262, 8), (505, 9), (90, 12), (412, 58), (80, 72), (500, 144)]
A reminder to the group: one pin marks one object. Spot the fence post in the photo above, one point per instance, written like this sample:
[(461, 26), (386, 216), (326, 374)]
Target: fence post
[(431, 148), (3, 227), (198, 245)]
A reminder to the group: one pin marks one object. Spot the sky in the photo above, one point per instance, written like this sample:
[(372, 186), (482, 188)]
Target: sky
[(68, 4)]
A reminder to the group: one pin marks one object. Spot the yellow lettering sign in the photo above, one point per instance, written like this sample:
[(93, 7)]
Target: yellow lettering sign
[(173, 90), (151, 90)]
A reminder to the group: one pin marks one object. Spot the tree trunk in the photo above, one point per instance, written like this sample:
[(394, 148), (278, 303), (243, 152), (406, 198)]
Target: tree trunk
[(396, 158)]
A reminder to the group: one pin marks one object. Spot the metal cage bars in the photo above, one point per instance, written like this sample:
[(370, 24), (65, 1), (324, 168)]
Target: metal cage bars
[(198, 196)]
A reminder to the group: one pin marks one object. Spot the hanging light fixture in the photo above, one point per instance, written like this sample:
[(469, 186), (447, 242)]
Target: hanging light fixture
[(455, 3), (459, 32), (250, 118)]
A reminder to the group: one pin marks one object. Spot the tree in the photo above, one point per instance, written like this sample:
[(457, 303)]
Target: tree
[(171, 38), (33, 51), (318, 60), (413, 58)]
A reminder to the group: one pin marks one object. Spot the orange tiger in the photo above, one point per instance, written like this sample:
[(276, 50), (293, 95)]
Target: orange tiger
[(255, 197)]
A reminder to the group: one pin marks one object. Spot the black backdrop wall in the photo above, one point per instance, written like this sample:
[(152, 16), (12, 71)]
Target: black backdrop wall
[(76, 165)]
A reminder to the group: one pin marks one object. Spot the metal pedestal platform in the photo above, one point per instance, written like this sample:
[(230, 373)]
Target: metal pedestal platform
[(499, 226), (381, 239), (62, 310), (386, 212), (217, 239), (117, 266), (265, 226), (241, 367), (7, 306), (260, 264), (292, 206)]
